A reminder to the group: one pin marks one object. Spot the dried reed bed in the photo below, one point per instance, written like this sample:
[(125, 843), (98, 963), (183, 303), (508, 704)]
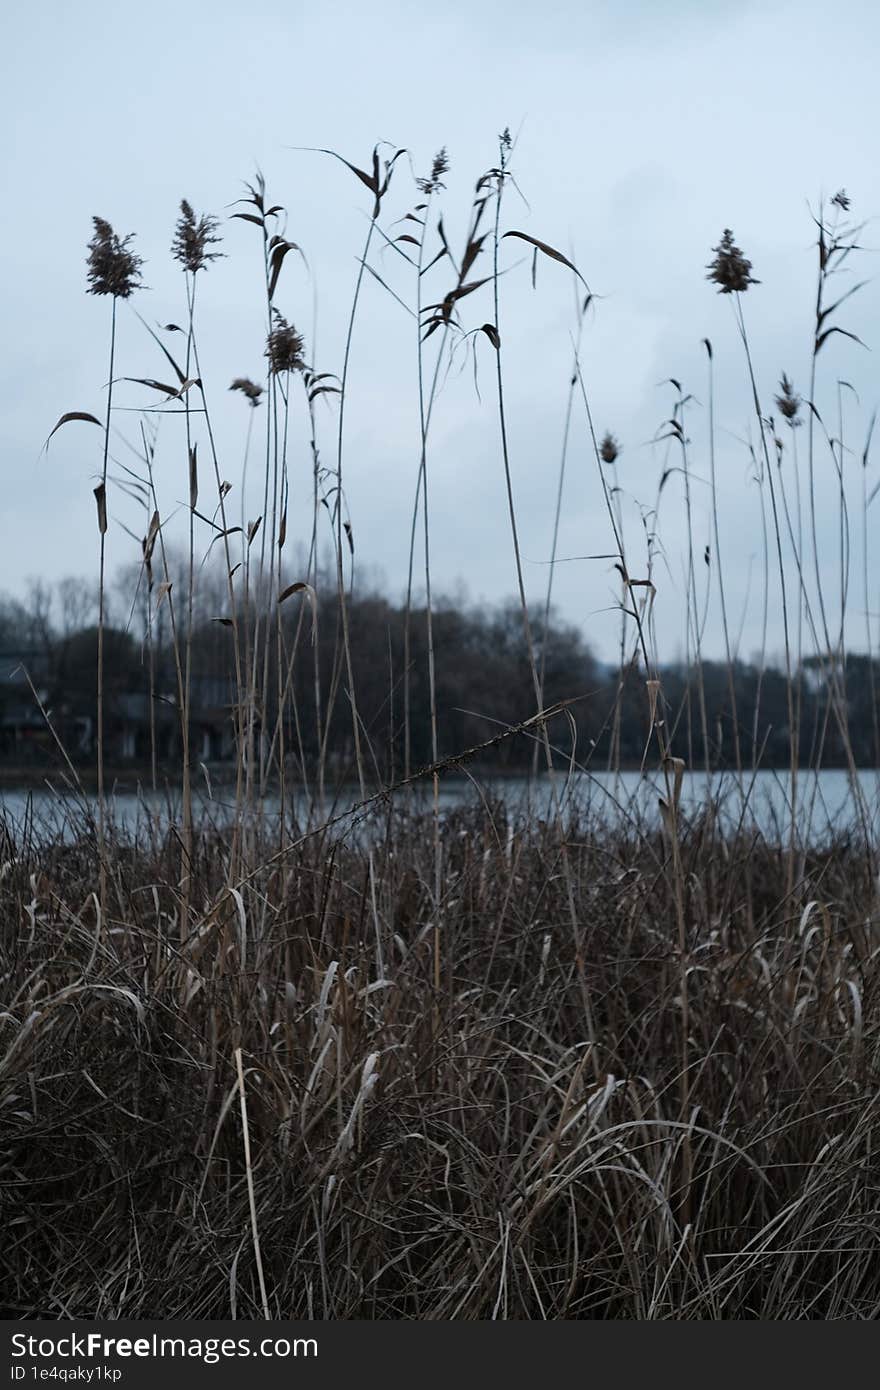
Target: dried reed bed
[(460, 1067), (497, 1165)]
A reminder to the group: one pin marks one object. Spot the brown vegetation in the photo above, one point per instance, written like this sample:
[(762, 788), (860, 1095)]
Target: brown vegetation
[(392, 1063)]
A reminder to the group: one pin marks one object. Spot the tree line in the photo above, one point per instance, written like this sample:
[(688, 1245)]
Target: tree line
[(484, 687)]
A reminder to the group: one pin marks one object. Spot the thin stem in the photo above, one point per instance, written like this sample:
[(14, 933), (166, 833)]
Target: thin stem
[(340, 574), (101, 620)]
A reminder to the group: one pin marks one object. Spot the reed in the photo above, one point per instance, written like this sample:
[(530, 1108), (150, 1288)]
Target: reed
[(377, 1058)]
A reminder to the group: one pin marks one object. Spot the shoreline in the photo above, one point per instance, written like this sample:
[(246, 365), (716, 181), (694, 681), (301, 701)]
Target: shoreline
[(134, 780)]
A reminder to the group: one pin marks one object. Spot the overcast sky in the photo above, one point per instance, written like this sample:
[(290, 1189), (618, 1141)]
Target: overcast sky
[(643, 130)]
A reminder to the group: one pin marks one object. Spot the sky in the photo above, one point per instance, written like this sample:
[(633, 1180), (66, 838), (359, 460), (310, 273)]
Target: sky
[(642, 130)]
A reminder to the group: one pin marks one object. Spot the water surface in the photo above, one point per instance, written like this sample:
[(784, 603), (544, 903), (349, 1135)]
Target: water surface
[(827, 803)]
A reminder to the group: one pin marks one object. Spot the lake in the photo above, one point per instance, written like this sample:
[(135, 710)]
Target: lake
[(826, 802)]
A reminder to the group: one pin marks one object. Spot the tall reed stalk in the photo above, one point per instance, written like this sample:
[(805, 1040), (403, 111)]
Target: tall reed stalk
[(112, 269)]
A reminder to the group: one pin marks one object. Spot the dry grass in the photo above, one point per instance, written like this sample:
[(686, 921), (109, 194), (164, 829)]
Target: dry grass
[(501, 1167), (472, 1068)]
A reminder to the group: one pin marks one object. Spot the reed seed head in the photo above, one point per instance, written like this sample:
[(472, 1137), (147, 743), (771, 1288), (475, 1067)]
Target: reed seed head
[(729, 269), (284, 347), (113, 268), (438, 169), (788, 402), (193, 237), (609, 449), (248, 388)]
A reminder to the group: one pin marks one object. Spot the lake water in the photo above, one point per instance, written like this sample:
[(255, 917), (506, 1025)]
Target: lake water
[(826, 803)]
